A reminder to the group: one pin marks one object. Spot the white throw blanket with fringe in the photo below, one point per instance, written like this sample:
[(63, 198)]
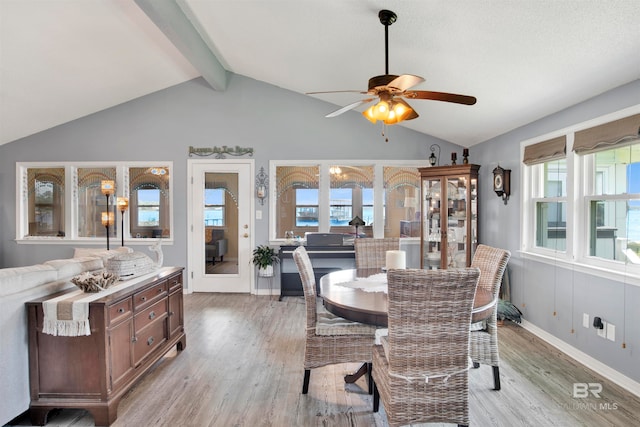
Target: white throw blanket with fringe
[(68, 314)]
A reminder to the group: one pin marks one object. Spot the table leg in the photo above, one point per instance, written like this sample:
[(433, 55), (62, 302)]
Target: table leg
[(363, 370)]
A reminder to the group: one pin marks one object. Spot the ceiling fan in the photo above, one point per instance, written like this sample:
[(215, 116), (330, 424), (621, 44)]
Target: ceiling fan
[(391, 89)]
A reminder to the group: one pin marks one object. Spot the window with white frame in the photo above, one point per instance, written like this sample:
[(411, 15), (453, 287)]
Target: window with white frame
[(325, 196), (585, 205), (65, 201)]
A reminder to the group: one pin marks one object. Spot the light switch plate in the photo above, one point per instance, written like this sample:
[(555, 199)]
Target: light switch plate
[(603, 332), (258, 214), (611, 332), (585, 320)]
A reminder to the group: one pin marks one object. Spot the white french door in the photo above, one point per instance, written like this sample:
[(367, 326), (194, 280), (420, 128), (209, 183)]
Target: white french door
[(221, 225)]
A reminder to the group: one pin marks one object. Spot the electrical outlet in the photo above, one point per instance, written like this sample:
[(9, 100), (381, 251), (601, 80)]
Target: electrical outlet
[(602, 332), (611, 331), (585, 320)]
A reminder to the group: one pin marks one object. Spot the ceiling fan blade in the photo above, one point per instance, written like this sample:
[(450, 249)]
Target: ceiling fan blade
[(405, 81), (440, 96), (349, 107), (336, 91)]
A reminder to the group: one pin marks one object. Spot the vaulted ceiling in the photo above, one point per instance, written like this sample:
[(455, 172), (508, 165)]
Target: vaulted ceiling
[(523, 60)]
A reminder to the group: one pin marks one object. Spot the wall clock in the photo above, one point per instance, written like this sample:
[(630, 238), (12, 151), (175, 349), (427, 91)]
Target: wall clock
[(502, 183)]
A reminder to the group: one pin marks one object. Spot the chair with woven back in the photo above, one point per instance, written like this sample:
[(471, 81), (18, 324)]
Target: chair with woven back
[(492, 263), (371, 253), (329, 339), (420, 371)]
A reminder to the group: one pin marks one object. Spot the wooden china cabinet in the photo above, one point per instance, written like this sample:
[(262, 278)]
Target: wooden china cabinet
[(449, 226)]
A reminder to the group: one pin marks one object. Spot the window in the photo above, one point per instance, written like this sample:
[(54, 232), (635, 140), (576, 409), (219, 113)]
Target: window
[(47, 211), (306, 207), (214, 207), (584, 207), (326, 196), (613, 203), (551, 206), (45, 201)]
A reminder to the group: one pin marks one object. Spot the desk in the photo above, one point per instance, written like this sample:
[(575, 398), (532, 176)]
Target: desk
[(371, 307)]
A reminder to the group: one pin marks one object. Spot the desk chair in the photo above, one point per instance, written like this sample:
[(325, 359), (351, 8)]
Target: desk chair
[(492, 263), (372, 253), (329, 339), (421, 369)]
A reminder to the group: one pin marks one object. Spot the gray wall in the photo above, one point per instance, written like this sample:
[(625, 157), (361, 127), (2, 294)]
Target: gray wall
[(278, 124), (543, 288)]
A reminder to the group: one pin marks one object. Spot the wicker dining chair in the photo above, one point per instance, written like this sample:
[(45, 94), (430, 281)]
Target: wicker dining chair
[(420, 372), (329, 339), (372, 253), (492, 263)]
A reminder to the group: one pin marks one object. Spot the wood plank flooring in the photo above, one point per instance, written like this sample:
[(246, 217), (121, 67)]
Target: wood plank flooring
[(243, 367)]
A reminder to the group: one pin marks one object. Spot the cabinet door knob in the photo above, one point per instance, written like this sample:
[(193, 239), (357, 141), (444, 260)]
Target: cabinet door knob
[(159, 290), (152, 315), (121, 310), (134, 339), (171, 313), (143, 298), (150, 341)]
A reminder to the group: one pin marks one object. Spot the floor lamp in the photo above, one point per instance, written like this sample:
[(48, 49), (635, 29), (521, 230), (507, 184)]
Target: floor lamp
[(108, 188), (123, 204)]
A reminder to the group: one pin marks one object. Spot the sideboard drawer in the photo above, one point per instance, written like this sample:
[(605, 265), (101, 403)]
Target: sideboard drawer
[(143, 299), (155, 312), (149, 339), (120, 310), (175, 283)]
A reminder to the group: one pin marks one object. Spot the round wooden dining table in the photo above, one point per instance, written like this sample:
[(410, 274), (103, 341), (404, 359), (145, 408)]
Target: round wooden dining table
[(355, 303), (359, 305)]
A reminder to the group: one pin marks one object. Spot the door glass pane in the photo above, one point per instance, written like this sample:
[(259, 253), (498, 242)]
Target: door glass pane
[(433, 223), (220, 213), (45, 200), (91, 202)]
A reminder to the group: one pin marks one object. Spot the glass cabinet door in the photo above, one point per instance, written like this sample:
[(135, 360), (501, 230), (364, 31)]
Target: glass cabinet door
[(449, 220), (432, 236)]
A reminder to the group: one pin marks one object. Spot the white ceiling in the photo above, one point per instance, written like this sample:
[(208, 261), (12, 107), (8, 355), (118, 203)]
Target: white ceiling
[(523, 60)]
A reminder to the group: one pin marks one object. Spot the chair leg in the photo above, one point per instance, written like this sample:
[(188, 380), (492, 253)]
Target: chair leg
[(369, 377), (496, 378), (305, 383), (376, 398)]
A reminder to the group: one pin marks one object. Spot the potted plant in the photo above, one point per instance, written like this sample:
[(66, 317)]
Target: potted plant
[(264, 257)]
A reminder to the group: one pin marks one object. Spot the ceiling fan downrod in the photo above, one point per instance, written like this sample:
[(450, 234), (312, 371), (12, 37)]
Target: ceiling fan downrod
[(387, 18)]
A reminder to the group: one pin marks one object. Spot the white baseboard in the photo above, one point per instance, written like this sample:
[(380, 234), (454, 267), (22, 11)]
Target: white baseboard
[(606, 371)]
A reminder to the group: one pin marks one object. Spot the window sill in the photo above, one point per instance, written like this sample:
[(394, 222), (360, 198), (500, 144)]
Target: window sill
[(626, 273), (115, 242)]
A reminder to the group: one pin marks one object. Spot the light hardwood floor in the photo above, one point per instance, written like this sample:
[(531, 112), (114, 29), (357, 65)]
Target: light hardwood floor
[(243, 367)]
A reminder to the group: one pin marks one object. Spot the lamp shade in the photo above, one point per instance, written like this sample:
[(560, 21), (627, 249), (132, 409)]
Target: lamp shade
[(108, 187), (123, 203), (107, 218)]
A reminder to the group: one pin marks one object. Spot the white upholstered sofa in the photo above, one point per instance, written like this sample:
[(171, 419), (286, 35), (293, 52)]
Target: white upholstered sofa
[(17, 286)]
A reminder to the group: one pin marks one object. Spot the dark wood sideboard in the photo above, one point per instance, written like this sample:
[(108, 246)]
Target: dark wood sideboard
[(131, 330)]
